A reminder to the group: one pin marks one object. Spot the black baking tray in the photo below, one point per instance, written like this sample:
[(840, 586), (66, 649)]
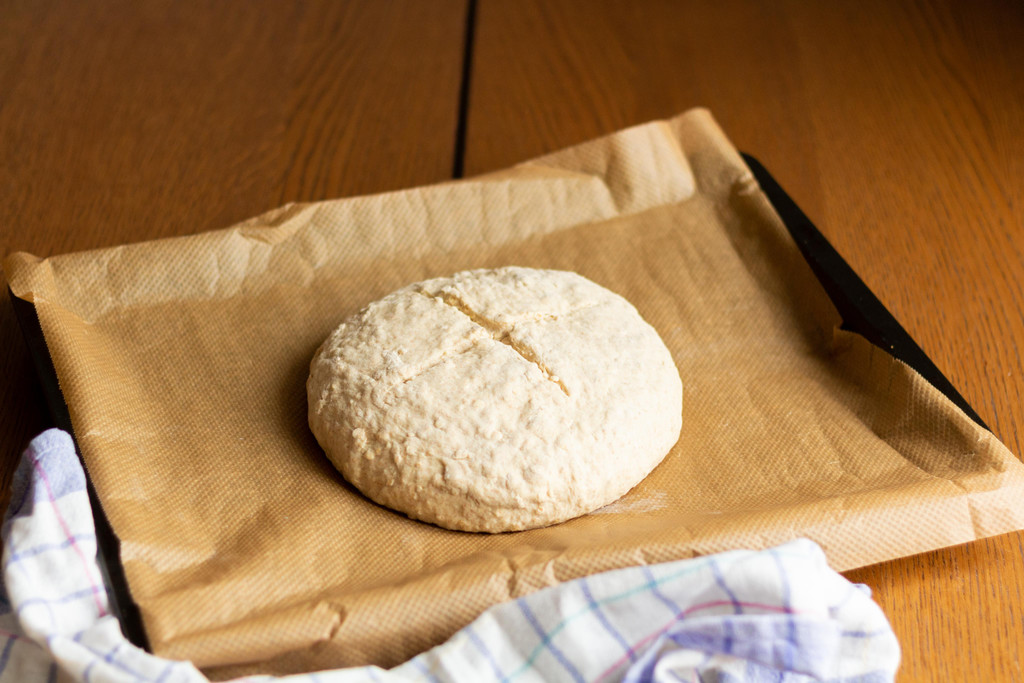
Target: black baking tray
[(861, 312)]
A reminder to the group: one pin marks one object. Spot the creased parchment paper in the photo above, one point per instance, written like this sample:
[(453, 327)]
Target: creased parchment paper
[(184, 361)]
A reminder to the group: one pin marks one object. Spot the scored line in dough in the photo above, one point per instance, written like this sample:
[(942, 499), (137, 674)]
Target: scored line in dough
[(497, 333)]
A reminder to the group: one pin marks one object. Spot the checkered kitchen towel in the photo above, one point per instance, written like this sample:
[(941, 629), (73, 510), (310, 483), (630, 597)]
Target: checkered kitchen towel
[(774, 615)]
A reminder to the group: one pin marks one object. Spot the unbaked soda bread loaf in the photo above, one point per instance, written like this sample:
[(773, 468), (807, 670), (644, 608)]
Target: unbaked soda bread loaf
[(495, 400)]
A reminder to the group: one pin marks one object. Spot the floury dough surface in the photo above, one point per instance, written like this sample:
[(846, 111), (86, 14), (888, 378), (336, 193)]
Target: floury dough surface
[(495, 400)]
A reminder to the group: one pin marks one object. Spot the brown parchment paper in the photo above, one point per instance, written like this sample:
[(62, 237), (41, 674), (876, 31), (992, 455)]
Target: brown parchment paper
[(183, 363)]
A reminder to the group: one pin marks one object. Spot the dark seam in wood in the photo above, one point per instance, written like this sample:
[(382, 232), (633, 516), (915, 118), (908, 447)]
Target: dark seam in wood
[(458, 162)]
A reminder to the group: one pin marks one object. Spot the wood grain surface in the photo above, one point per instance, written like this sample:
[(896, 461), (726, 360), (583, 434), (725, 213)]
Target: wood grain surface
[(122, 122), (898, 127)]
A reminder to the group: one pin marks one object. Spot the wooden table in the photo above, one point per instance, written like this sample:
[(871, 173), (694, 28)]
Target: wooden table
[(899, 128)]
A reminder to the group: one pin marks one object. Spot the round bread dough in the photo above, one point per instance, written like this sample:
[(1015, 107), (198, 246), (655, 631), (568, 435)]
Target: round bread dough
[(495, 400)]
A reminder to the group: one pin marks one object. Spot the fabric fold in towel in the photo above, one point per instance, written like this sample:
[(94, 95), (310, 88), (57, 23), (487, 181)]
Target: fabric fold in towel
[(774, 615)]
